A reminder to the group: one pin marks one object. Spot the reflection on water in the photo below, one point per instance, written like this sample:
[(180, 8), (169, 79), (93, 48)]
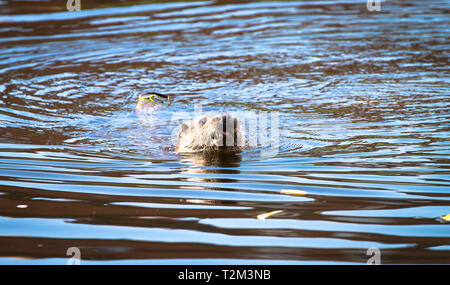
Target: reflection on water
[(363, 123)]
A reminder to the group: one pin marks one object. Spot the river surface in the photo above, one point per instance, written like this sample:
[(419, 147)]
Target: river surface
[(362, 106)]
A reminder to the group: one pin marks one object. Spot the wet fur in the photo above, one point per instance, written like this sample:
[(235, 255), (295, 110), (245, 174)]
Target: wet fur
[(206, 134)]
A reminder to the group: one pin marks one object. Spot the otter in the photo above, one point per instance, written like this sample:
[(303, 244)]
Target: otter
[(207, 133)]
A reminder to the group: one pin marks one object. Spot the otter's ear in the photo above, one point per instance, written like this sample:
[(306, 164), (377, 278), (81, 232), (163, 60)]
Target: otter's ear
[(184, 127)]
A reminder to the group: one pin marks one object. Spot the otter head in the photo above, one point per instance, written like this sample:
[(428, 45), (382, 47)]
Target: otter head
[(210, 133)]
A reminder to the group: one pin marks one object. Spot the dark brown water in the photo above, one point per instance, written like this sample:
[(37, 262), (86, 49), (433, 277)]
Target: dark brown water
[(364, 124)]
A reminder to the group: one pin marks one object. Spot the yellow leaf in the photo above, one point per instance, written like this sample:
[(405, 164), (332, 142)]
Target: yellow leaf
[(293, 192), (262, 217), (446, 218)]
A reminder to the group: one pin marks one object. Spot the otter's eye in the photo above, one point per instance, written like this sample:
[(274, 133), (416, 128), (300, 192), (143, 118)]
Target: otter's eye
[(202, 121)]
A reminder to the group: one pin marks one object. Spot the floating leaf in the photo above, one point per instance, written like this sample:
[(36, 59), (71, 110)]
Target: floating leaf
[(292, 192), (446, 218), (262, 217)]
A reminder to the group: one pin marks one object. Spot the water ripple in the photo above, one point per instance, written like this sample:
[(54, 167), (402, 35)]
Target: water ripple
[(362, 100)]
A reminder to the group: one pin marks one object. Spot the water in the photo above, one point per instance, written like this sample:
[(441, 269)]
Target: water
[(363, 104)]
